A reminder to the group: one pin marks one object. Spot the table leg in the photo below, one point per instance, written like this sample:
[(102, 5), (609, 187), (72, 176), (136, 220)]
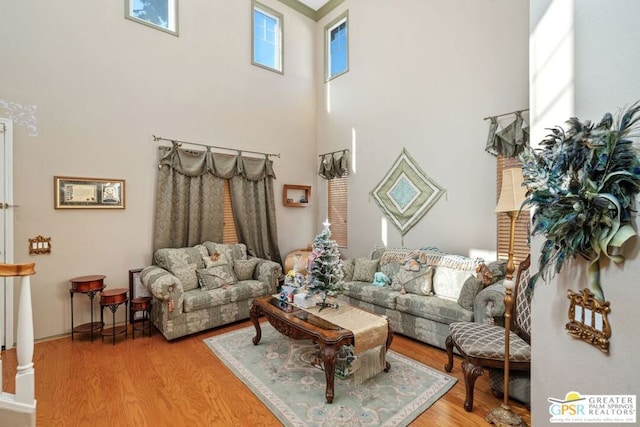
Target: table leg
[(113, 324), (254, 314), (329, 356), (71, 295), (389, 339)]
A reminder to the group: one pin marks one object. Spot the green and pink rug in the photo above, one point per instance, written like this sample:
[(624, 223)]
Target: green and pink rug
[(277, 372)]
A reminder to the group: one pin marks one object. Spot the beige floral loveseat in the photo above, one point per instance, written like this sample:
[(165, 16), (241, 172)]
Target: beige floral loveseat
[(204, 286), (426, 291)]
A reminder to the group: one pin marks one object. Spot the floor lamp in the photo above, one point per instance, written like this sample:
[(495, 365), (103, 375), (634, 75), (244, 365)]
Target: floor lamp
[(512, 195)]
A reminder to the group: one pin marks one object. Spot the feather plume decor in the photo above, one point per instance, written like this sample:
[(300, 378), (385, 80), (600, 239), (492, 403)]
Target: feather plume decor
[(581, 185)]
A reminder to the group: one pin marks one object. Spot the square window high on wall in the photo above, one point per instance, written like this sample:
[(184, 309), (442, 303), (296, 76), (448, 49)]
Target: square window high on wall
[(336, 46), (267, 30)]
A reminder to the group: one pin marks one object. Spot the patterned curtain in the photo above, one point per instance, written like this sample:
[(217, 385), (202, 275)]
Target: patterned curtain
[(254, 208), (190, 189), (334, 165)]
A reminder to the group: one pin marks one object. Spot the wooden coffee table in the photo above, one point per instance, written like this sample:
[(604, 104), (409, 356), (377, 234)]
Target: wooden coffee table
[(299, 324)]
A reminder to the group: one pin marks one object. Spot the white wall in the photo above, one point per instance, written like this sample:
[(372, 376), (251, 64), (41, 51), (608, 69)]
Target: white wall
[(102, 86), (423, 75), (582, 65)]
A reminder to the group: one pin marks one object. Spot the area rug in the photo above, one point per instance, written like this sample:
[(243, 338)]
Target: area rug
[(278, 373)]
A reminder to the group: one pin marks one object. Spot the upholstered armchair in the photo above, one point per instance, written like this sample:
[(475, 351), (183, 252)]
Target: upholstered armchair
[(482, 345)]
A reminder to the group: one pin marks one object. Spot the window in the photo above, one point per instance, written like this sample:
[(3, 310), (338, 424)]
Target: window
[(336, 46), (267, 38), (521, 240), (229, 232), (337, 210)]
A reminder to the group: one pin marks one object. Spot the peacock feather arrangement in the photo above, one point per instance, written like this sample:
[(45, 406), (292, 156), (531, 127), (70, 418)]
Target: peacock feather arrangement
[(582, 184)]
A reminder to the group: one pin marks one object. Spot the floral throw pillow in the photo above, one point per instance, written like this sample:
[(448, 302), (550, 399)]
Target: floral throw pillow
[(244, 268), (215, 259), (347, 269), (365, 269), (417, 282), (469, 291), (187, 276), (220, 276)]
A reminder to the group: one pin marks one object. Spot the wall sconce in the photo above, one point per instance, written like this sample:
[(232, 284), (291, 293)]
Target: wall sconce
[(588, 319), (39, 245)]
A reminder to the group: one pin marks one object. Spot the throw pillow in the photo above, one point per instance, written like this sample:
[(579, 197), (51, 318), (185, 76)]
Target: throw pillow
[(470, 289), (216, 277), (365, 269), (232, 251), (497, 269), (204, 255), (484, 274), (348, 266), (244, 268), (412, 265), (187, 276), (418, 282), (448, 282), (172, 258), (215, 259), (394, 256)]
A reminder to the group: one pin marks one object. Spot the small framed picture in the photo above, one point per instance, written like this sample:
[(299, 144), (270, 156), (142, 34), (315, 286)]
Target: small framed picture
[(88, 193), (159, 14), (136, 290)]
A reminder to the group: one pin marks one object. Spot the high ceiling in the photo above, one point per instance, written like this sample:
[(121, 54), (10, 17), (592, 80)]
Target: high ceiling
[(314, 4)]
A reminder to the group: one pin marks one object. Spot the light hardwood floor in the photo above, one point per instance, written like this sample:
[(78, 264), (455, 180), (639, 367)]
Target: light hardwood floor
[(151, 382)]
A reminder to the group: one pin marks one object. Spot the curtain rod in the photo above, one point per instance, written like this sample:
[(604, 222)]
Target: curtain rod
[(175, 141), (333, 152), (506, 114)]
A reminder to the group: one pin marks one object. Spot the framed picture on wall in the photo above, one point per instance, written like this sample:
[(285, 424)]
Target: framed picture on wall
[(159, 14), (88, 193)]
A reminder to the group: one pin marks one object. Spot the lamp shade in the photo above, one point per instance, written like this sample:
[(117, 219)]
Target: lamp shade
[(512, 193)]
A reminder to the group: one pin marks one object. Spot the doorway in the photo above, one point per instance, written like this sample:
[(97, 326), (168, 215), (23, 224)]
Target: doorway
[(6, 231)]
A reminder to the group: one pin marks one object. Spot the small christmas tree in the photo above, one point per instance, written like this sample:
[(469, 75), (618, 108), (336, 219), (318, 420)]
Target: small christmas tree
[(325, 273)]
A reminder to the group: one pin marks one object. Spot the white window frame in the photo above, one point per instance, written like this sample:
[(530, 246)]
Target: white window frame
[(342, 18), (279, 60)]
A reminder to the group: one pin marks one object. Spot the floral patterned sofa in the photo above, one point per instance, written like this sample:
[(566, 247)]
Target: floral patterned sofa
[(205, 286), (426, 291)]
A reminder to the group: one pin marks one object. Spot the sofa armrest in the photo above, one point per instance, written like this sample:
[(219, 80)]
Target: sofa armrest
[(488, 306), (164, 286), (268, 272)]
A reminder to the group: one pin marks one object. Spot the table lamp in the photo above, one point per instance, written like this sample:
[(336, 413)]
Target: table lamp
[(512, 195)]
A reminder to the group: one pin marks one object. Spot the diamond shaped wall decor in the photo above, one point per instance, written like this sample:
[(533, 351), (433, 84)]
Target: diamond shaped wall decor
[(406, 193)]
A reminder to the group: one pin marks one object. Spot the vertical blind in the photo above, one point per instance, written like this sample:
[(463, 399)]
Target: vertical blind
[(229, 232), (337, 210), (521, 244)]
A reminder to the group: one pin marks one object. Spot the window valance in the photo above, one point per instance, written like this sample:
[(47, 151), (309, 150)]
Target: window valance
[(334, 165), (509, 141), (196, 163)]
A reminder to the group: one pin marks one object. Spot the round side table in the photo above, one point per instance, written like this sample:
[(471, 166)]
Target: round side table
[(142, 304), (114, 298), (88, 285)]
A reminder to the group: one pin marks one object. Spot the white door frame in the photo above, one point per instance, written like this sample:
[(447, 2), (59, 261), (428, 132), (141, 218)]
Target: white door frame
[(6, 222)]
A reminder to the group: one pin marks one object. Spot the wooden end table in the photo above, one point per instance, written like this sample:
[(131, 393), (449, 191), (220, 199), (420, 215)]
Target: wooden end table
[(90, 286), (299, 324), (113, 298)]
